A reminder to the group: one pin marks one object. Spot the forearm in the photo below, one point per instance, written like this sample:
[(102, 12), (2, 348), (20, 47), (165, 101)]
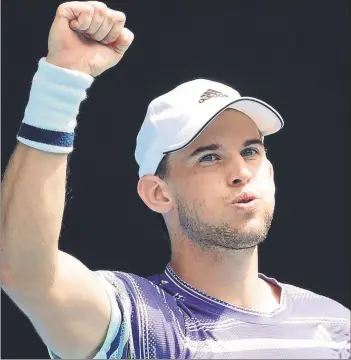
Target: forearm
[(33, 198), (66, 302), (33, 195)]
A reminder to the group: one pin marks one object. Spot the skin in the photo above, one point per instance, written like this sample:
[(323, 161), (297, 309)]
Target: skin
[(214, 243), (64, 300)]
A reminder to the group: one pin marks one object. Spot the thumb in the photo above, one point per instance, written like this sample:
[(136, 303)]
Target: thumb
[(74, 14)]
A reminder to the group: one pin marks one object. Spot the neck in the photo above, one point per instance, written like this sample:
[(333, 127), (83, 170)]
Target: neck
[(227, 275)]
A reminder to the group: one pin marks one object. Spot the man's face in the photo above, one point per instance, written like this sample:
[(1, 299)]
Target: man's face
[(205, 185)]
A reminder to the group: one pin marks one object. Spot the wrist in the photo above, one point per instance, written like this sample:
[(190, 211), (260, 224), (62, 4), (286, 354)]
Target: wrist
[(54, 101), (62, 73), (67, 64)]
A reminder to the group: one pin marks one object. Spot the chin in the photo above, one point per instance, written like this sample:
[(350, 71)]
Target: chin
[(249, 223), (254, 227)]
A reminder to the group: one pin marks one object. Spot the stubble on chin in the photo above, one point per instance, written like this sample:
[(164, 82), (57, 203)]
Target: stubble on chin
[(221, 236)]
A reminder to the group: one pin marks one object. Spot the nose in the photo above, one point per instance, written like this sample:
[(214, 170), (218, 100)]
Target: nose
[(239, 173)]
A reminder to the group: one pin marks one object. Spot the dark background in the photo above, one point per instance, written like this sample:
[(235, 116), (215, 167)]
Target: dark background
[(292, 54)]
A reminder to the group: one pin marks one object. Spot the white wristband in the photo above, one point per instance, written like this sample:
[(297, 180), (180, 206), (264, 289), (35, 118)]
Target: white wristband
[(53, 106)]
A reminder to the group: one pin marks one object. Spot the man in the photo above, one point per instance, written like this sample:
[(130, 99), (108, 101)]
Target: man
[(203, 166)]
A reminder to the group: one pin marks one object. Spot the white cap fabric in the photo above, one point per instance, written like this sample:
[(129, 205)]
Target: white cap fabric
[(176, 118)]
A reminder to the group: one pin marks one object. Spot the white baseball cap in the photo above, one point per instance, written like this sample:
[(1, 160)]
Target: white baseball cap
[(176, 118)]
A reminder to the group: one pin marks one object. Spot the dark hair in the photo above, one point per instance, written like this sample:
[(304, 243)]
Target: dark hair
[(162, 172)]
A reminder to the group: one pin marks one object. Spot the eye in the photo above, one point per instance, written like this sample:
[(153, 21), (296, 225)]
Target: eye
[(249, 152), (209, 158)]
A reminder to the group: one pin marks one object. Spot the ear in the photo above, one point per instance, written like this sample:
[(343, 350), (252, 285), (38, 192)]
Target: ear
[(154, 192)]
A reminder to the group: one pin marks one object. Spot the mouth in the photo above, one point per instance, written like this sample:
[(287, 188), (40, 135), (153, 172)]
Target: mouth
[(245, 198), (246, 202)]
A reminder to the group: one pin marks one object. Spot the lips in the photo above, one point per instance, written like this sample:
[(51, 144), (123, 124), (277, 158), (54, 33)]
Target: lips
[(245, 198)]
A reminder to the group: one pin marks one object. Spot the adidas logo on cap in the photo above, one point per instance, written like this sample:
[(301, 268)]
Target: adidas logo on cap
[(210, 93)]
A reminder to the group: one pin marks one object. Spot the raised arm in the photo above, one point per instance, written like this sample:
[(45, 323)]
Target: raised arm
[(67, 303)]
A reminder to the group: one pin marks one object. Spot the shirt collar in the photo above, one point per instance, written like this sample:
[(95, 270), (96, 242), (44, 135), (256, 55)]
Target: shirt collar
[(196, 299)]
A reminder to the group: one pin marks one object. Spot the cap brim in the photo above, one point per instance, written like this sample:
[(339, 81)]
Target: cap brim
[(267, 119)]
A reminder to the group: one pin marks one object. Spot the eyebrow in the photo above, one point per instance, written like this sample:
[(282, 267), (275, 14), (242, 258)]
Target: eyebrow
[(213, 147)]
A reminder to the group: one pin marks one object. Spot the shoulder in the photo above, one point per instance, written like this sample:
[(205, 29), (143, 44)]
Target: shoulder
[(140, 292), (330, 318), (312, 304), (149, 315)]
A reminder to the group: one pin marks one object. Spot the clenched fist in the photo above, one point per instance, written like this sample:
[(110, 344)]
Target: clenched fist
[(88, 36)]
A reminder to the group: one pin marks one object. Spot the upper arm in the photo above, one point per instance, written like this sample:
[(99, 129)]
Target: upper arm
[(74, 315)]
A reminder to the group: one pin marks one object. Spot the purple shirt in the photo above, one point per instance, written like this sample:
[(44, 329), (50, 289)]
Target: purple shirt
[(162, 317)]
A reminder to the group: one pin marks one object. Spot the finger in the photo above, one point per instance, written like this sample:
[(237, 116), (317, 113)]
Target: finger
[(77, 13), (100, 12), (113, 24), (121, 45), (116, 29)]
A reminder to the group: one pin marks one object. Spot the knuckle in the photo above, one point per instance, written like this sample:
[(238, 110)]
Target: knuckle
[(97, 3), (117, 27), (109, 19), (100, 7), (120, 16), (89, 10), (100, 13)]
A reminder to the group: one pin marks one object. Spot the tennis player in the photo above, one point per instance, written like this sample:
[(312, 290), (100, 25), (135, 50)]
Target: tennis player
[(203, 167)]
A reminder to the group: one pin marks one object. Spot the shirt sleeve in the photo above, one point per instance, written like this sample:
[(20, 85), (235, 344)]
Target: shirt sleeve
[(114, 328)]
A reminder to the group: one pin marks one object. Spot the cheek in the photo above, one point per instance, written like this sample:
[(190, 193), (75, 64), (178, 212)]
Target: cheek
[(201, 190), (265, 179), (192, 190), (196, 183)]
